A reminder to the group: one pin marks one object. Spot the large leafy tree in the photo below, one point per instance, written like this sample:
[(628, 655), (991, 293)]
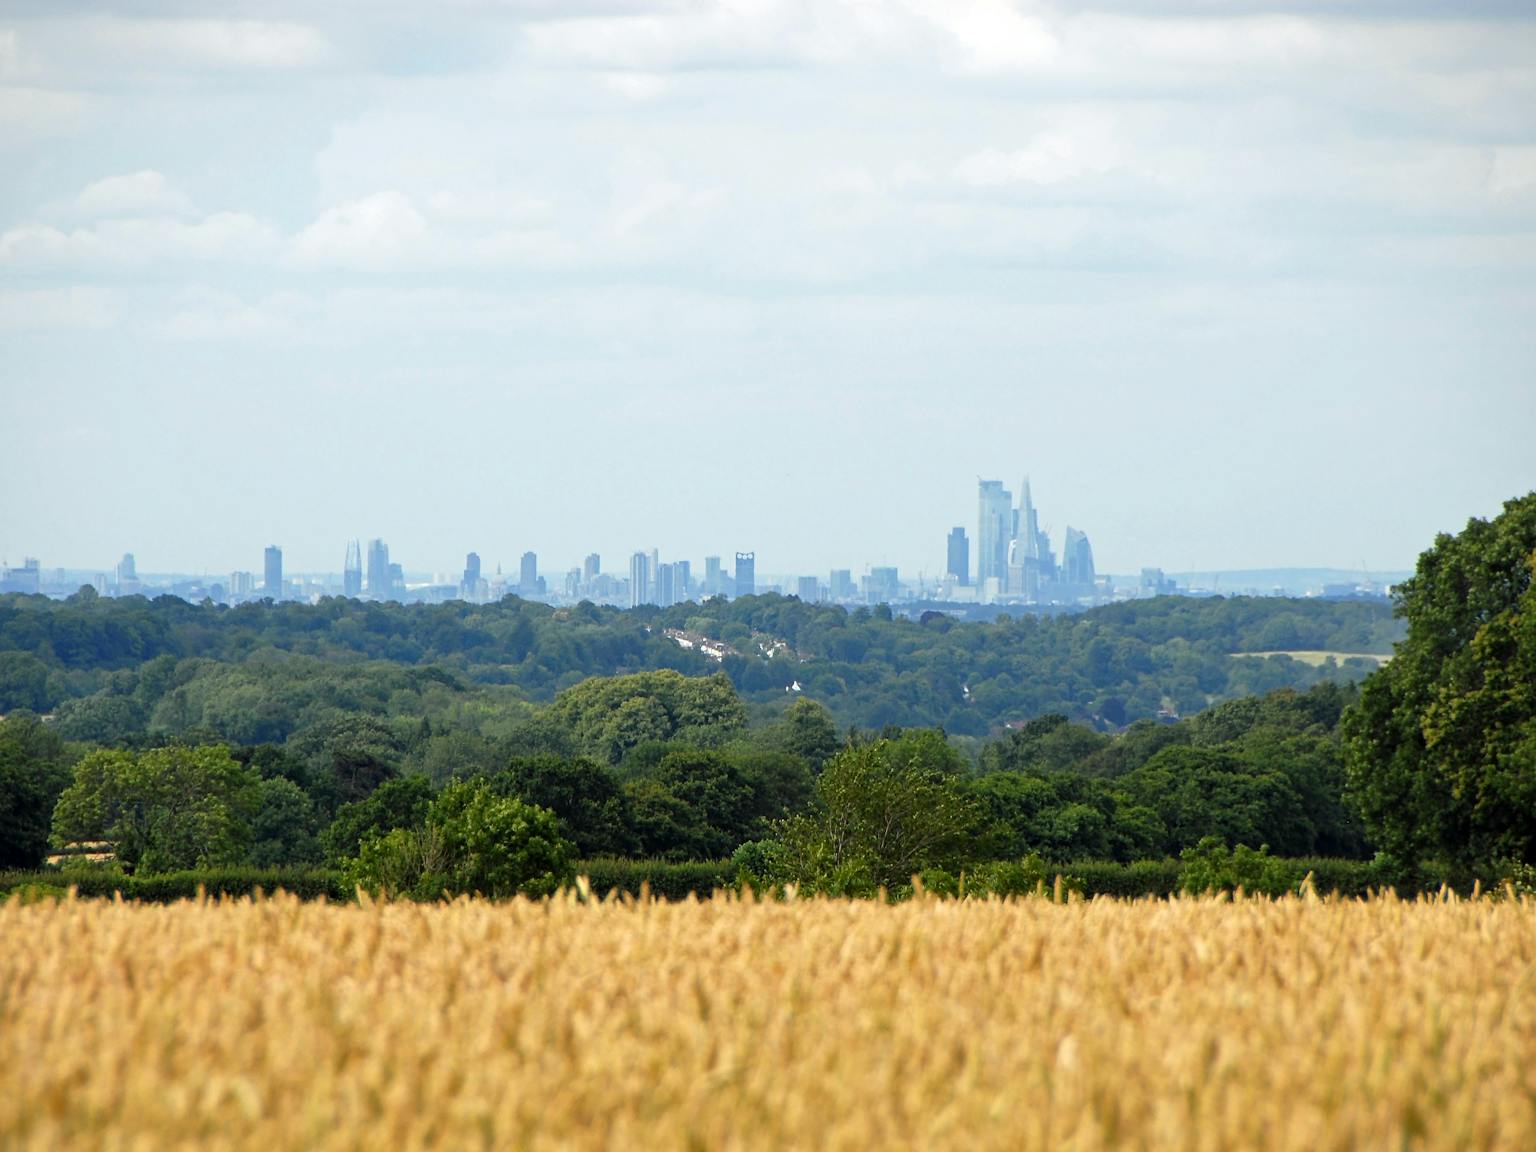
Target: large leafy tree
[(1441, 748), (883, 812), (472, 841), (32, 775), (167, 808)]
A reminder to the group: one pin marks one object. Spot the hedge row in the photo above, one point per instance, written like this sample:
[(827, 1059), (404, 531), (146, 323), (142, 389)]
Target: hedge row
[(166, 887), (669, 881)]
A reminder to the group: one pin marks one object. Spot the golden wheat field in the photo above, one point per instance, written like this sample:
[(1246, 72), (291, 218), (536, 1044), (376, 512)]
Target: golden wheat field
[(1297, 1024)]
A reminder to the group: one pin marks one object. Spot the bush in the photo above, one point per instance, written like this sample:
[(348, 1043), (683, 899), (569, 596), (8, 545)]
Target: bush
[(1024, 877), (167, 887), (473, 842), (1210, 866), (668, 880), (1140, 879)]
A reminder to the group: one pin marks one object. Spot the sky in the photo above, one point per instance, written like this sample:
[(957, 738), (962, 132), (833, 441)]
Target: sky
[(1237, 285)]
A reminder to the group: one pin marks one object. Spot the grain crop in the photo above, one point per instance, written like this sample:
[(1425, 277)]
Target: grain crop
[(731, 1024)]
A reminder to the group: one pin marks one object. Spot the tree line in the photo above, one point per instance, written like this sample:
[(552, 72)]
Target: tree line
[(423, 778)]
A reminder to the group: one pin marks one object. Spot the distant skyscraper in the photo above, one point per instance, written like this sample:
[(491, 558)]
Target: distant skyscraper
[(352, 575), (666, 585), (682, 581), (274, 572), (881, 585), (378, 570), (469, 589), (528, 575), (639, 579), (396, 582), (590, 569), (808, 588), (959, 565), (27, 579), (840, 584), (994, 526), (746, 573), (714, 578), (1077, 558), (127, 576)]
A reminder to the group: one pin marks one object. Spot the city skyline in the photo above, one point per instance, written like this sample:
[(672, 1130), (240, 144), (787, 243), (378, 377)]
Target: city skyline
[(1252, 284)]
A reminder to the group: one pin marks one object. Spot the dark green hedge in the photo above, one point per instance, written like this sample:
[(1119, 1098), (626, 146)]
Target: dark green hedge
[(308, 884), (668, 881), (1156, 878)]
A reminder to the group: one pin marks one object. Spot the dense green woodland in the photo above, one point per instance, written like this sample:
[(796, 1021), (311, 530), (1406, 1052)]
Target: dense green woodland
[(263, 672), (427, 750)]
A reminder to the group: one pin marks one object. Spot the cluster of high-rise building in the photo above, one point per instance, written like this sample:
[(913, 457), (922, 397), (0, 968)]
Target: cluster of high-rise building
[(1015, 562)]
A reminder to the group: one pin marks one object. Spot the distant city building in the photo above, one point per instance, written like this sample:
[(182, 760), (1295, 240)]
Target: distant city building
[(273, 567), (573, 584), (1026, 567), (27, 579), (378, 570), (808, 588), (959, 565), (714, 577), (591, 568), (1077, 559), (528, 576), (682, 578), (840, 585), (639, 579), (127, 576), (1154, 583), (352, 574), (881, 586), (994, 527), (666, 585), (395, 584), (746, 573), (469, 587), (241, 586)]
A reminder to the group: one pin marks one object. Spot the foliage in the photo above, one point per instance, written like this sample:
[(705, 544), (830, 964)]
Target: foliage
[(1441, 748), (1210, 866), (472, 841), (165, 887), (265, 672), (883, 812), (32, 775), (395, 804), (594, 811), (283, 830), (164, 809), (661, 879), (609, 716)]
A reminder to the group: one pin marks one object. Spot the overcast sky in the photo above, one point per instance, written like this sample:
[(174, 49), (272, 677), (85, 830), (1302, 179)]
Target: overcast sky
[(1237, 284)]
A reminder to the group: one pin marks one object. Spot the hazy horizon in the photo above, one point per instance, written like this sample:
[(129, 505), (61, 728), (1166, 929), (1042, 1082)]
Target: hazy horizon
[(1237, 286)]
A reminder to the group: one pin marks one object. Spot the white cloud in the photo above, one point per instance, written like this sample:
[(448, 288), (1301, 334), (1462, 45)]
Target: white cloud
[(206, 314), (378, 229), (144, 193), (31, 113), (209, 44), (40, 309), (223, 236), (1053, 158)]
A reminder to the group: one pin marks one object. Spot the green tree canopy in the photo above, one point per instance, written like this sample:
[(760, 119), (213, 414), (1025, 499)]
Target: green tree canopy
[(1441, 748), (165, 809), (32, 775), (884, 811)]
